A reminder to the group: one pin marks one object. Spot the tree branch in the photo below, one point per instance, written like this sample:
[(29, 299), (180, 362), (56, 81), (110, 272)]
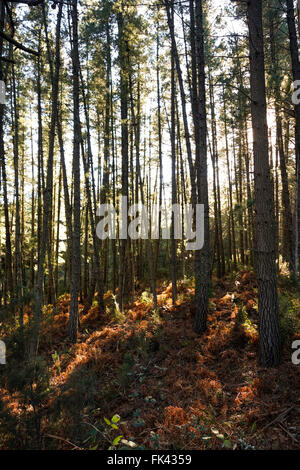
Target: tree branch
[(30, 3), (5, 59), (18, 44)]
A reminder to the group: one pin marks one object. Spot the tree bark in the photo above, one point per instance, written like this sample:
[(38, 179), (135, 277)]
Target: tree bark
[(296, 76), (76, 252), (269, 341), (203, 257)]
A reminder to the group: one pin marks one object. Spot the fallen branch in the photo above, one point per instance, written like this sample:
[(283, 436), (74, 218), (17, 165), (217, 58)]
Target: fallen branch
[(289, 434), (278, 418), (64, 440)]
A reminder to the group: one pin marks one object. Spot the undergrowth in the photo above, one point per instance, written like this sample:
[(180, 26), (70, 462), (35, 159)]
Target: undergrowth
[(143, 379)]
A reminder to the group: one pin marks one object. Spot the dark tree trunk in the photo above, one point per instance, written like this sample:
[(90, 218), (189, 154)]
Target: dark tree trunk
[(269, 342), (9, 288), (76, 255), (174, 191), (47, 215), (296, 76), (123, 56), (203, 258)]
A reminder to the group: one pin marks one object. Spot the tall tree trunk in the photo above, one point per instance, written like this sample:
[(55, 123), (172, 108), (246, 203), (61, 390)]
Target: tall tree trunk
[(231, 215), (296, 76), (269, 341), (215, 161), (159, 122), (288, 239), (9, 288), (18, 253), (56, 275), (48, 193), (203, 258), (76, 252), (174, 188), (123, 55)]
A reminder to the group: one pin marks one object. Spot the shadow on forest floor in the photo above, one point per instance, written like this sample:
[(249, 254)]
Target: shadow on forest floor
[(171, 388)]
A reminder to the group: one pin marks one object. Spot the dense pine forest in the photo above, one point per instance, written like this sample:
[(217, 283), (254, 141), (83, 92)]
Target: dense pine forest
[(149, 224)]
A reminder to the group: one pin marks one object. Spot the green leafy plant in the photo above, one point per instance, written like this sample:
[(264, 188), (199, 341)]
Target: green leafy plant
[(115, 441)]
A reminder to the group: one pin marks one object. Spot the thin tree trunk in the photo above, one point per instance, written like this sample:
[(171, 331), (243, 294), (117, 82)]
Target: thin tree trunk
[(203, 258), (47, 215), (124, 141), (231, 215), (76, 252), (9, 288), (296, 76), (18, 254), (174, 188)]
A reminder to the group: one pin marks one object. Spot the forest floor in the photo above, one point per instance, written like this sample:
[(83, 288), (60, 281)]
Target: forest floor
[(149, 378)]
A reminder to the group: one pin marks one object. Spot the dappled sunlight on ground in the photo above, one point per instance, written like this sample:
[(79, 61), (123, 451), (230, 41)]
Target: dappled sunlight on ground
[(171, 388)]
